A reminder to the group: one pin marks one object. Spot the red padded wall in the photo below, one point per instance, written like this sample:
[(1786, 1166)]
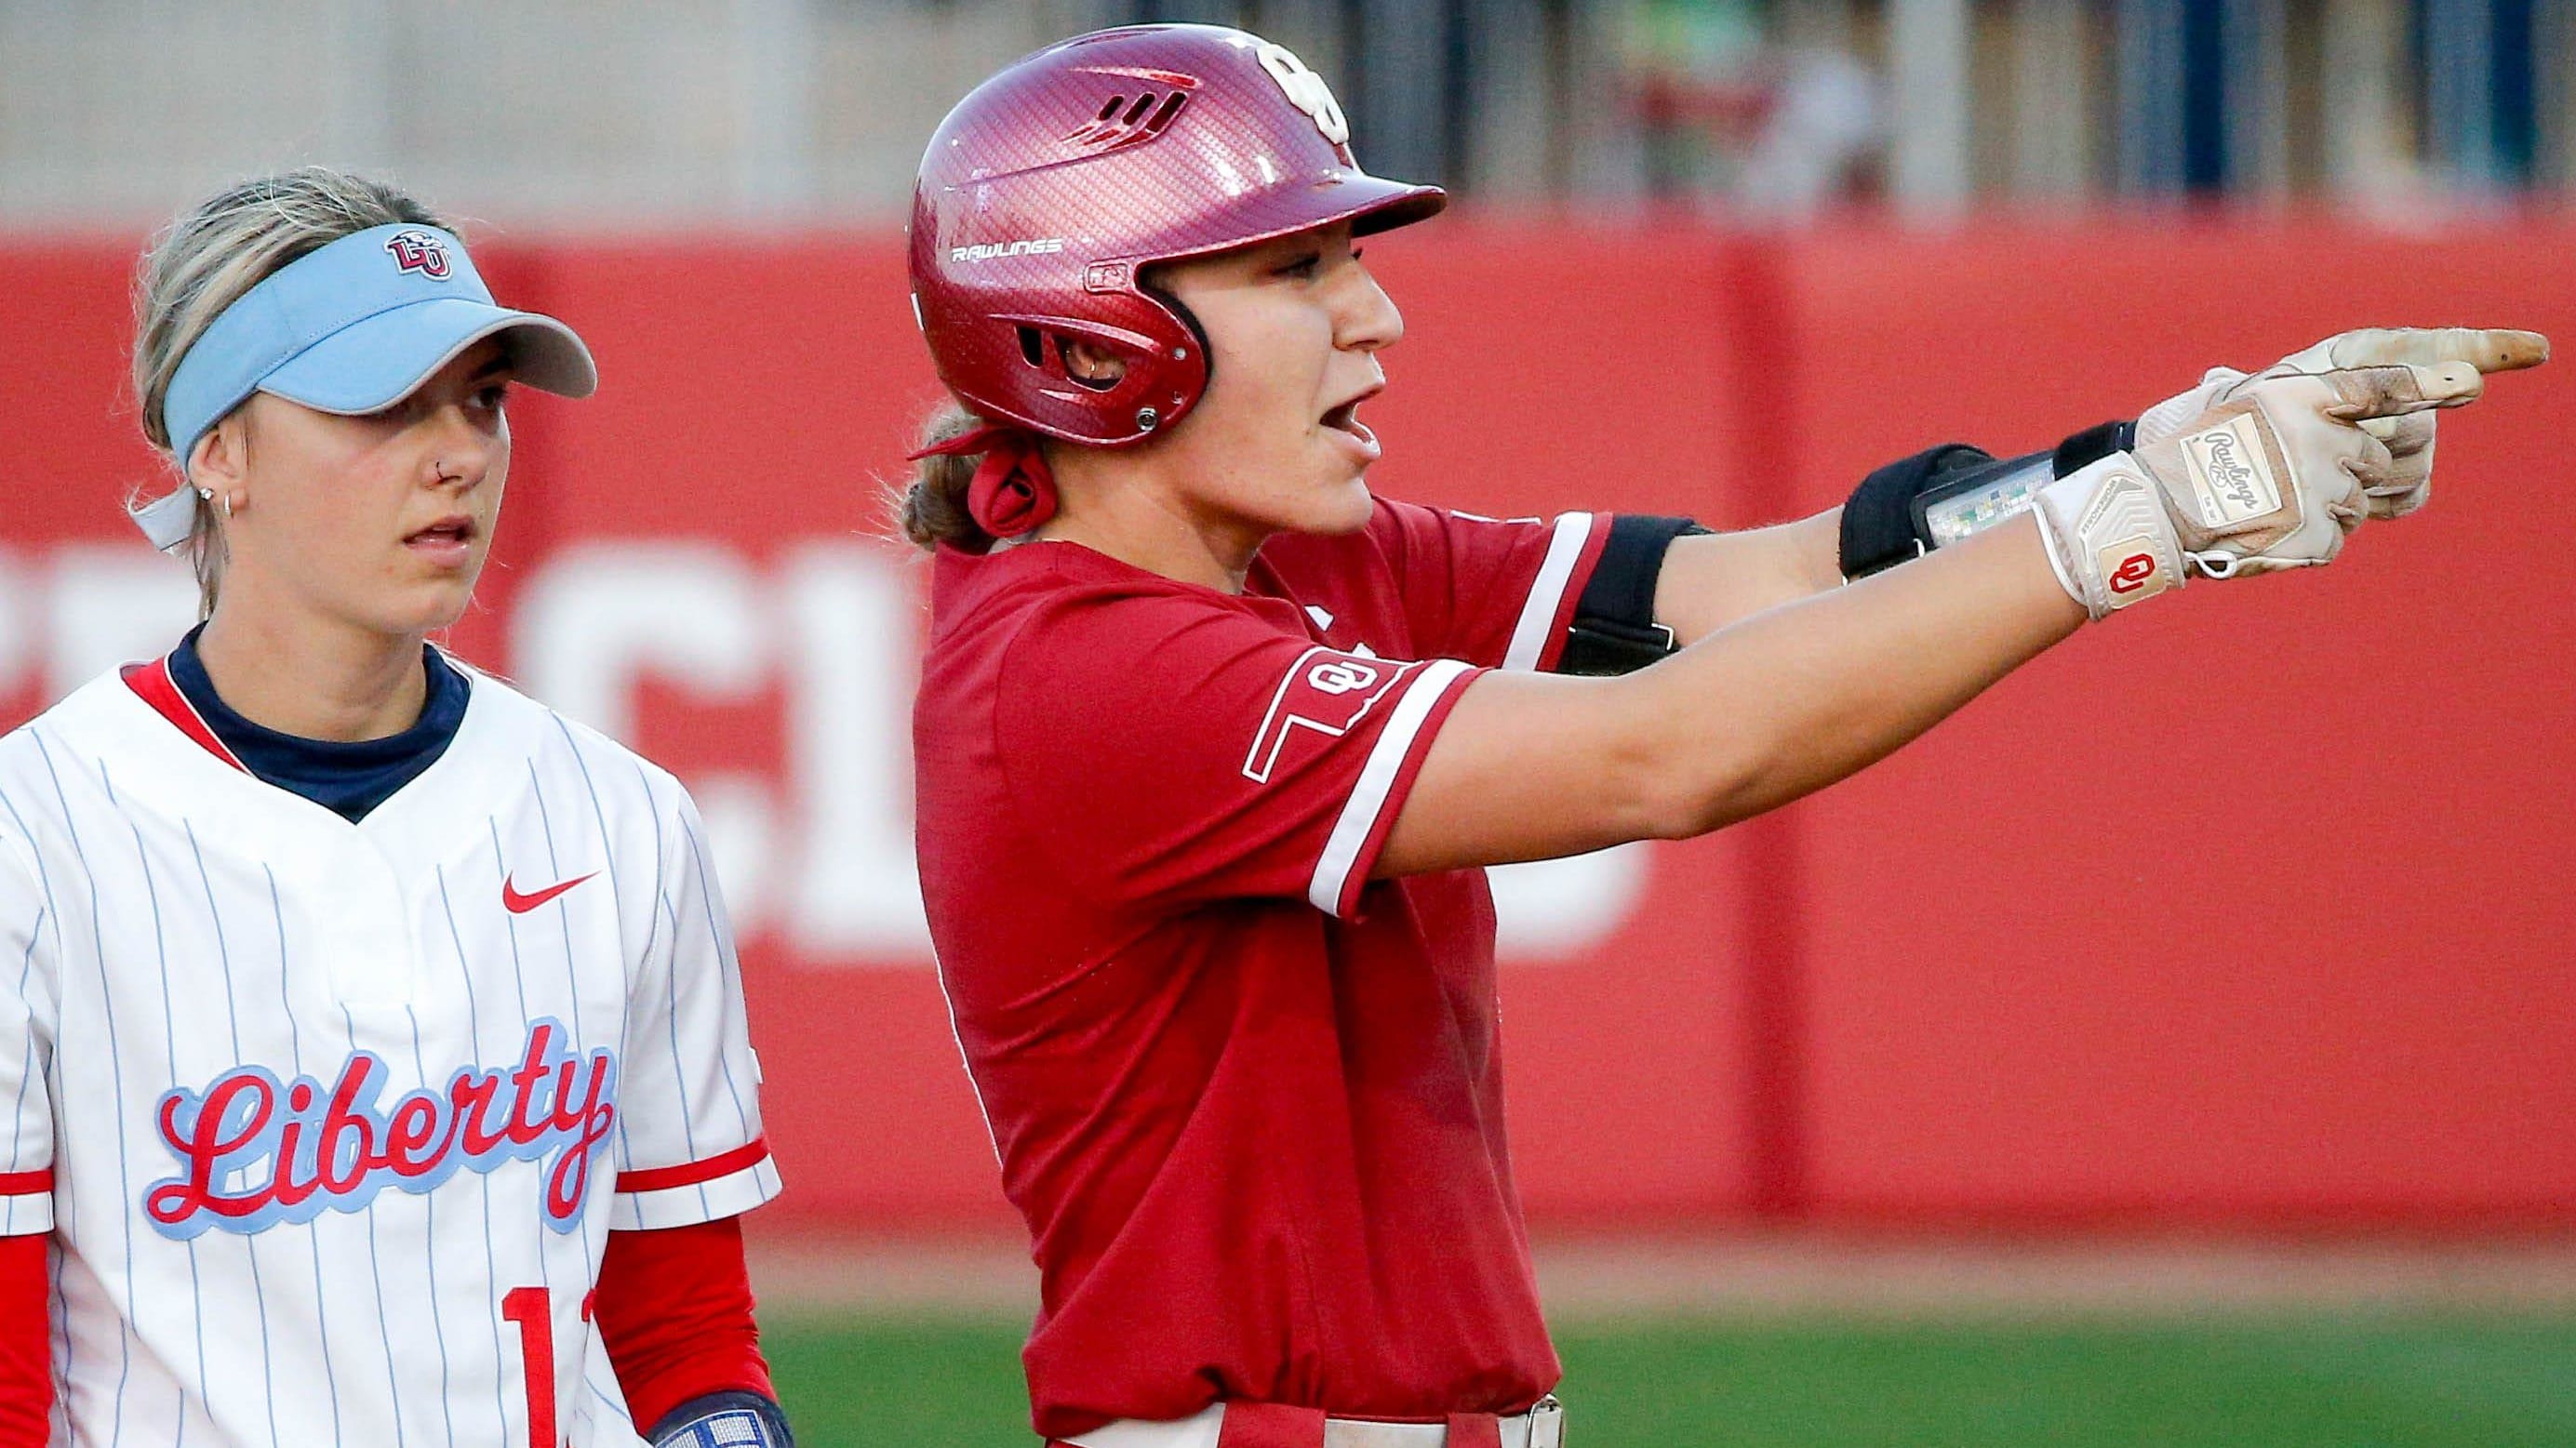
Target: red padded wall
[(2248, 907), (2253, 905)]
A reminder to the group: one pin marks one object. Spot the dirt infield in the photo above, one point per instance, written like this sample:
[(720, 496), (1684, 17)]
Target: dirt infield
[(1795, 1274)]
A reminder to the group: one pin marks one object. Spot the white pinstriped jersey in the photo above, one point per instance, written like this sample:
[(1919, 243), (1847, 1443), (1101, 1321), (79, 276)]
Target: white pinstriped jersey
[(331, 1122)]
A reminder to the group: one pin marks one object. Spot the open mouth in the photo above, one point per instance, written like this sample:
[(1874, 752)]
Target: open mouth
[(1345, 417), (444, 535)]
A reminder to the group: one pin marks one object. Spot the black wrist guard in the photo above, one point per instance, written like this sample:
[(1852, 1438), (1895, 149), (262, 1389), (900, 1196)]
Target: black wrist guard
[(1880, 528), (2083, 449), (1914, 505)]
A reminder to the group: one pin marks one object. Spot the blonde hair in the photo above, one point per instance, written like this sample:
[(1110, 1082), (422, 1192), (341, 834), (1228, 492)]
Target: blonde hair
[(932, 510), (206, 259)]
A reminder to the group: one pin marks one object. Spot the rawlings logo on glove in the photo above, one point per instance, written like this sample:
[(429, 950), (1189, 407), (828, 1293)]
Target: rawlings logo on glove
[(2230, 474)]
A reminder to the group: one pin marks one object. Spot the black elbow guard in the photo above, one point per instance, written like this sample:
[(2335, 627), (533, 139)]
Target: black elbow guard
[(1614, 630)]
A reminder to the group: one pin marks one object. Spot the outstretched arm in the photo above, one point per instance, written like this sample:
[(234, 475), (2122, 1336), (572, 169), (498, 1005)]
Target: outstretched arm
[(1711, 580), (1761, 711), (1532, 766)]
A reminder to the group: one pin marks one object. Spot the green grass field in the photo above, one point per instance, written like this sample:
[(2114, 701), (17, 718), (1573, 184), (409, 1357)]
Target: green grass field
[(2262, 1382)]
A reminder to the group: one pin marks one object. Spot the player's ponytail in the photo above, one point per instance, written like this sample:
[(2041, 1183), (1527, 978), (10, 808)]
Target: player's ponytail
[(932, 510), (206, 259)]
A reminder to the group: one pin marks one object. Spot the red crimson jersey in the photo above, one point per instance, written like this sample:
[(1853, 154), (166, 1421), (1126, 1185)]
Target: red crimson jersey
[(1249, 1101)]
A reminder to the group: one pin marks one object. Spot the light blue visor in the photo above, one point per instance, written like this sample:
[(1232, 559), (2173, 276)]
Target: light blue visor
[(352, 328)]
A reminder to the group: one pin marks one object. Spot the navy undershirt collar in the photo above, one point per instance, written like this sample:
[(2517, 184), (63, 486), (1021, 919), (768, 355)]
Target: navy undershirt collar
[(348, 779)]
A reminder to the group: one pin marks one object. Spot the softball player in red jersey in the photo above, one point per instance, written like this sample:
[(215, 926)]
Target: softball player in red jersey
[(1211, 742), (375, 1060)]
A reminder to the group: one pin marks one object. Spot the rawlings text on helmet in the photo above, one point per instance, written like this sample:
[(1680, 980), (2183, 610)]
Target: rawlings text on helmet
[(992, 251), (1306, 90)]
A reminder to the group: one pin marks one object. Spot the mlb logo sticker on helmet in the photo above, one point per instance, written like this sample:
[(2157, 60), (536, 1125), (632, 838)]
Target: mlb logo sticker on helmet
[(424, 252)]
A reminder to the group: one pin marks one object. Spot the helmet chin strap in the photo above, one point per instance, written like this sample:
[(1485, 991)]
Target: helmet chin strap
[(1014, 490)]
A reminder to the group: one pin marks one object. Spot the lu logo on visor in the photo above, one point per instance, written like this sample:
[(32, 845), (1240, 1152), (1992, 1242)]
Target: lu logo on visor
[(424, 252), (339, 331)]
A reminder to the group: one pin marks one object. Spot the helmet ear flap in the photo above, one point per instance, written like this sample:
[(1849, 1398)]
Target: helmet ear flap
[(1165, 351), (1190, 320), (1165, 362), (1050, 350), (1180, 373)]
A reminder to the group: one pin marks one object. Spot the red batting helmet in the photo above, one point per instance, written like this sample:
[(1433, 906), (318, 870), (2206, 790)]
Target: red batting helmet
[(1055, 183)]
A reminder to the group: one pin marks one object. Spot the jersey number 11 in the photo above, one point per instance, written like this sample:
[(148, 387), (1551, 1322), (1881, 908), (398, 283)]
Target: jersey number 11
[(532, 1308)]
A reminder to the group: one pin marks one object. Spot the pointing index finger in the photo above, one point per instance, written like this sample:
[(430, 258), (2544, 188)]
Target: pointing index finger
[(2393, 389), (2486, 349)]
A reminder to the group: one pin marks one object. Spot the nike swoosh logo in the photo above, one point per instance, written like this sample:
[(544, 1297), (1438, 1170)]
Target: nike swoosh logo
[(518, 904)]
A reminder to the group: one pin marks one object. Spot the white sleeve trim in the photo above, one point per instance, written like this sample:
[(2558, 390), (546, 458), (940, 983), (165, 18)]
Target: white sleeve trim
[(730, 1195), (27, 1213), (1359, 815), (1201, 1429), (1547, 592)]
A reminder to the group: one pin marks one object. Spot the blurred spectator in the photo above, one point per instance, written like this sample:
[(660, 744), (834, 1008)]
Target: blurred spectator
[(1726, 112)]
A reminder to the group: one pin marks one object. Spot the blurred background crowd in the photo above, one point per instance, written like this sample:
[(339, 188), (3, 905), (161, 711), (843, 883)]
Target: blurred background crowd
[(683, 112)]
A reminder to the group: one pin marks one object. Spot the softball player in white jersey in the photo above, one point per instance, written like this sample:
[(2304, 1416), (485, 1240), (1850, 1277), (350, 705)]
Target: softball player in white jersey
[(376, 1058)]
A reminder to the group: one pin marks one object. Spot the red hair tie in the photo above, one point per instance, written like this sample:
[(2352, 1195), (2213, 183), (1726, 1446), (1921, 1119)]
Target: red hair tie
[(1013, 492)]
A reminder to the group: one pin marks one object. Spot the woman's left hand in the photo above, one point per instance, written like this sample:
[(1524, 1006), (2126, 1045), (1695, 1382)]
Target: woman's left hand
[(2407, 482)]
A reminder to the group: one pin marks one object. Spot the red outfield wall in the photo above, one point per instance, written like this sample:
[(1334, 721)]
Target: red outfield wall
[(2251, 908)]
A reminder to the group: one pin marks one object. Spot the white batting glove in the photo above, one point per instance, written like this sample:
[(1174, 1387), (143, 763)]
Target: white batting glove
[(2274, 476), (2408, 481), (2248, 474)]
